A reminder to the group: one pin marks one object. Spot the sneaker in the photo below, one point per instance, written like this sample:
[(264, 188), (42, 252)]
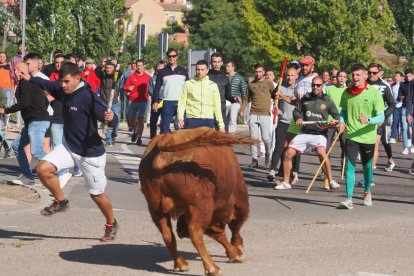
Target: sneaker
[(134, 137), (113, 141), (295, 177), (283, 186), (347, 204), (412, 149), (334, 185), (254, 164), (64, 179), (23, 180), (392, 141), (390, 166), (405, 151), (7, 153), (326, 184), (110, 232), (77, 172), (411, 171), (271, 176), (139, 142), (56, 206), (368, 200), (108, 144), (361, 183), (267, 159)]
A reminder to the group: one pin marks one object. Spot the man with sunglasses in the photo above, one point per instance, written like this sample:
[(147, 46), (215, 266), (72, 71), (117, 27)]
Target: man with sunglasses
[(315, 106), (171, 78), (375, 80)]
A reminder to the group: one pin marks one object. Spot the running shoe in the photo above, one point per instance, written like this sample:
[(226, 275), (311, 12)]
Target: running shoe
[(411, 171), (368, 200), (110, 232), (139, 142), (283, 186), (295, 177), (392, 141), (405, 151), (56, 206), (361, 183), (412, 149), (347, 204), (254, 164), (334, 185), (23, 180), (7, 153), (134, 137), (77, 172), (108, 144), (326, 184), (390, 166), (271, 175)]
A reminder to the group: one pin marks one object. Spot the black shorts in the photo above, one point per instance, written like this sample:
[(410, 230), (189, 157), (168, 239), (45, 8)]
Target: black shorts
[(352, 149)]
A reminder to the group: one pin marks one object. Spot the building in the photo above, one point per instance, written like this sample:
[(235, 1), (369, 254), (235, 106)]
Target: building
[(156, 15)]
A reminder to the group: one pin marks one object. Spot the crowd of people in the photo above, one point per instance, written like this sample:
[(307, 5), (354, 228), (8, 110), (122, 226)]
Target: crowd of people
[(57, 107)]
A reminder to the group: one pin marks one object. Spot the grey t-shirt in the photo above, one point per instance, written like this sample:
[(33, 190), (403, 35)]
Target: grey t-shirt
[(285, 107)]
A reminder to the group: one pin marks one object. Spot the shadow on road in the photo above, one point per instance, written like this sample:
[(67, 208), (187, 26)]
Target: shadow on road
[(138, 257), (24, 236)]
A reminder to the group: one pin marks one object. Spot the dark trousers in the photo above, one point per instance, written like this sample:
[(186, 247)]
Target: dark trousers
[(169, 110), (154, 121), (195, 123), (281, 133)]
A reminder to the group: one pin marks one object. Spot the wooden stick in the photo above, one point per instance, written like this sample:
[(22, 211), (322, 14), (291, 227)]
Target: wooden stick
[(343, 167), (323, 161)]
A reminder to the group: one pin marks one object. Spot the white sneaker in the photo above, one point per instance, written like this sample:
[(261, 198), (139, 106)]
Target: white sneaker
[(64, 179), (283, 186), (295, 178), (334, 185), (23, 180), (412, 149), (393, 141), (271, 176), (405, 151)]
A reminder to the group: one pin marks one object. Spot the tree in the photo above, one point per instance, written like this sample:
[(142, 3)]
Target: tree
[(216, 24), (404, 17), (337, 33)]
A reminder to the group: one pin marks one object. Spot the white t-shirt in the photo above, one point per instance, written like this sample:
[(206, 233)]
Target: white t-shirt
[(305, 86)]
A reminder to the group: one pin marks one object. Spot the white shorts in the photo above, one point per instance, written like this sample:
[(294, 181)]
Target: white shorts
[(93, 168), (302, 141)]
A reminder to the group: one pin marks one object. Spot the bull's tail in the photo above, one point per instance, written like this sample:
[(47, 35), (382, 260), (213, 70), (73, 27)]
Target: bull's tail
[(209, 138)]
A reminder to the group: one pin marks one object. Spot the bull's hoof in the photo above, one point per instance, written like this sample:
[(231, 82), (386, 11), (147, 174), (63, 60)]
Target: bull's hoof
[(181, 265), (214, 272), (237, 259)]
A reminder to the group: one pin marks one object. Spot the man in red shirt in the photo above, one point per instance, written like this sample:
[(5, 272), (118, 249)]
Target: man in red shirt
[(89, 75), (59, 58), (136, 87)]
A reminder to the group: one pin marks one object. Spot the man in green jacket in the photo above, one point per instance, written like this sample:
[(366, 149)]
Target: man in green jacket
[(200, 101)]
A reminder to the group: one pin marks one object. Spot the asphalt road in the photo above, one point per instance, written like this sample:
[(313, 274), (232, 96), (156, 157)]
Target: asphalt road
[(288, 232)]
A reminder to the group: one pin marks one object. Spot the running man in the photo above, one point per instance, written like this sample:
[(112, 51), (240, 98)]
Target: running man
[(362, 110), (314, 106), (82, 144)]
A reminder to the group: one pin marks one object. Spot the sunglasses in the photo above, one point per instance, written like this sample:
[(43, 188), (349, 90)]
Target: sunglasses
[(316, 84), (372, 73), (172, 56)]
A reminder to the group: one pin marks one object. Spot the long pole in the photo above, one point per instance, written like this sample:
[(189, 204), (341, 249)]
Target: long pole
[(323, 161), (23, 28)]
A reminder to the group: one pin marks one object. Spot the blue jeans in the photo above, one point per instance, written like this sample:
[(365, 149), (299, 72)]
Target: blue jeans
[(3, 140), (33, 134), (168, 111), (406, 129), (195, 123), (396, 119), (9, 96), (57, 134), (124, 101), (114, 132)]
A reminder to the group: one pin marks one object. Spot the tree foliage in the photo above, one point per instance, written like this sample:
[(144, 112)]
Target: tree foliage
[(404, 17), (81, 26)]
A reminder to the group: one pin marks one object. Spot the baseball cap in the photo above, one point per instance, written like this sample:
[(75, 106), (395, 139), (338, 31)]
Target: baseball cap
[(308, 60)]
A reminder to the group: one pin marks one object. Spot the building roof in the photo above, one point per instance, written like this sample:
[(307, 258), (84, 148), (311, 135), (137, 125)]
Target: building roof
[(172, 7)]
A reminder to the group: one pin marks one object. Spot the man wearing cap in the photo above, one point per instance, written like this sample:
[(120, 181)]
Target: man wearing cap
[(305, 80), (89, 75)]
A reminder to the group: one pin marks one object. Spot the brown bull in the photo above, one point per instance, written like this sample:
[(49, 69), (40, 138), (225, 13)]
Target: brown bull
[(193, 176)]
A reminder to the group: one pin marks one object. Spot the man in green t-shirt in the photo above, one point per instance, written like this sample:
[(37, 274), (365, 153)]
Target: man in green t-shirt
[(362, 109)]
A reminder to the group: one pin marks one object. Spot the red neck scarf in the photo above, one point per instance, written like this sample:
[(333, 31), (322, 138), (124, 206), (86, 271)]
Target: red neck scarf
[(357, 90)]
